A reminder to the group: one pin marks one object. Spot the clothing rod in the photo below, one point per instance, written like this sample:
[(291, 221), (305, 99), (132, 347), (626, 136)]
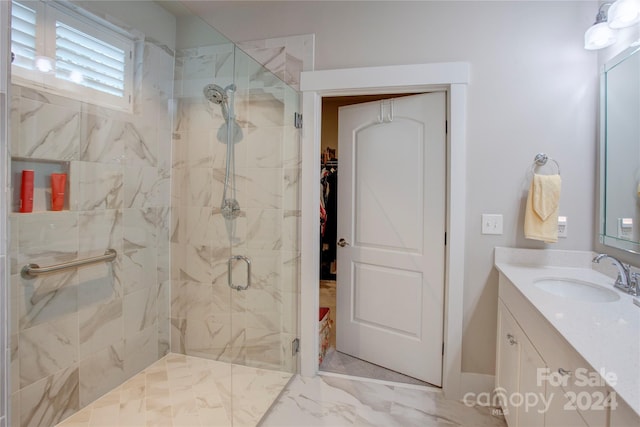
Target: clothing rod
[(31, 271)]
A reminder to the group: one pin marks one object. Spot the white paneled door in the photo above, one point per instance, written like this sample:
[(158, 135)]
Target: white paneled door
[(391, 233)]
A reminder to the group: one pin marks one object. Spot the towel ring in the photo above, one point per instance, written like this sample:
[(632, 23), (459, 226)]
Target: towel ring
[(541, 160)]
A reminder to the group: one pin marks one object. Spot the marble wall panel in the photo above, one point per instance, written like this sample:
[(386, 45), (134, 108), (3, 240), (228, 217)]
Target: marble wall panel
[(98, 185), (263, 188), (49, 130), (192, 299), (101, 372), (141, 143), (296, 55), (264, 228), (50, 400), (139, 311), (164, 316), (100, 326), (291, 230), (141, 350), (46, 298), (47, 348), (142, 187), (47, 239), (264, 148), (81, 332), (140, 249), (102, 139)]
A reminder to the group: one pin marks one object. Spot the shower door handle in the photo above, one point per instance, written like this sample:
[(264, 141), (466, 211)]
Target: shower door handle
[(342, 243), (230, 272)]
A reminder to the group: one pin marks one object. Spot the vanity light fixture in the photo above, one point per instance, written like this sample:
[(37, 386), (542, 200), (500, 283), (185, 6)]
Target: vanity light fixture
[(600, 35), (611, 17), (623, 13)]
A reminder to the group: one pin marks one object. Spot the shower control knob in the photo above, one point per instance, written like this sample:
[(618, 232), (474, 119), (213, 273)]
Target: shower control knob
[(342, 243)]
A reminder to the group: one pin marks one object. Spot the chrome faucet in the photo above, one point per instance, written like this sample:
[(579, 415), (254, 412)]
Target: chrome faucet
[(626, 281)]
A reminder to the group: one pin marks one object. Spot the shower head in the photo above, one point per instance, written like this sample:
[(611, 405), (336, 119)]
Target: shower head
[(215, 94), (224, 98)]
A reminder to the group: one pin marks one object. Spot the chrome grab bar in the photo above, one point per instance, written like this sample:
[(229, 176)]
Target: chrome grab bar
[(230, 273), (31, 271)]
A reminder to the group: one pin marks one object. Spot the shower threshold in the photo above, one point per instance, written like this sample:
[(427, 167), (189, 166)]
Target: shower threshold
[(180, 390)]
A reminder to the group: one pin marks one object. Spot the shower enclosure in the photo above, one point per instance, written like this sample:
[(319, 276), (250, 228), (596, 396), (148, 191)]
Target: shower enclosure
[(194, 185)]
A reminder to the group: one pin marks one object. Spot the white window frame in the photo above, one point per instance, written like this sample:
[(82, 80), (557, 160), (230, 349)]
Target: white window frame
[(47, 15)]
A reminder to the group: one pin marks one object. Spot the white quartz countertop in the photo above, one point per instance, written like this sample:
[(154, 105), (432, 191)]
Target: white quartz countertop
[(605, 334)]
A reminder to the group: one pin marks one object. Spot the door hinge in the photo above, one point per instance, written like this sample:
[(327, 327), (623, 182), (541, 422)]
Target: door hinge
[(446, 126), (445, 238), (297, 120), (295, 346), (443, 348)]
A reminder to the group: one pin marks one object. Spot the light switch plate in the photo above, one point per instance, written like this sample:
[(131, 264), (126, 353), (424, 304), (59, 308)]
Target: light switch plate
[(491, 223)]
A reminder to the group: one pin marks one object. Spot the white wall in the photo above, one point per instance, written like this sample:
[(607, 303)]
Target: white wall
[(155, 22), (533, 88)]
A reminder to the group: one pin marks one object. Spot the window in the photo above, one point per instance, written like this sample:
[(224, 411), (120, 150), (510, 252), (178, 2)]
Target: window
[(71, 53)]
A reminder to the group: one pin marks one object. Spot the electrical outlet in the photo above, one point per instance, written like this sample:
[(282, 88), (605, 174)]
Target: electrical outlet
[(562, 226), (491, 224), (625, 228)]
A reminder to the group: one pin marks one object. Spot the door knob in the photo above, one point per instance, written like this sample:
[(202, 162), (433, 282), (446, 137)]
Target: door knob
[(342, 243)]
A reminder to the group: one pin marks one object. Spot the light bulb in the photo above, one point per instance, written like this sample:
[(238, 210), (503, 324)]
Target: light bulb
[(623, 13), (599, 36)]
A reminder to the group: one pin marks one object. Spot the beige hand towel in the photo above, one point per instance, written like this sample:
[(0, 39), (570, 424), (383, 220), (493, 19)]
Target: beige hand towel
[(541, 214)]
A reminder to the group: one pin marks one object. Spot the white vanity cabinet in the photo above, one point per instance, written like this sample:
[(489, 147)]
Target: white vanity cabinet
[(517, 364), (542, 376)]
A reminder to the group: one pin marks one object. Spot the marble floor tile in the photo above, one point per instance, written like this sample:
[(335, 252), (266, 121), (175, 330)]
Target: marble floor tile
[(337, 402), (341, 363), (180, 390)]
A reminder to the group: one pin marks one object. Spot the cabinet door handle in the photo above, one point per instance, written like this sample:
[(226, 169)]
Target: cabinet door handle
[(564, 372), (512, 340)]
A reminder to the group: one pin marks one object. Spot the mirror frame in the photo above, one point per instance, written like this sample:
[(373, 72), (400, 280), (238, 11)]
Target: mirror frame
[(611, 241)]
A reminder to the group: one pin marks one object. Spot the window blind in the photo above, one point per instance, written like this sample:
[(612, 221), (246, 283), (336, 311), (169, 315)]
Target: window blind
[(68, 51), (83, 59), (23, 35)]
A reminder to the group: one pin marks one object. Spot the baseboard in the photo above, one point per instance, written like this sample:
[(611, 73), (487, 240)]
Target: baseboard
[(473, 385)]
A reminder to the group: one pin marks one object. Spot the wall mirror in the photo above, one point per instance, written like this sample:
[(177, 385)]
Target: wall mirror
[(620, 152)]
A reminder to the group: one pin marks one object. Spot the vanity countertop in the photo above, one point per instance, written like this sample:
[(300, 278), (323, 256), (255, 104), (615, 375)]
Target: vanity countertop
[(605, 334)]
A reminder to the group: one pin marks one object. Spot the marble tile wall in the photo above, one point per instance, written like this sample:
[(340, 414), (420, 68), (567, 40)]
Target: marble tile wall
[(253, 327), (285, 57), (77, 334)]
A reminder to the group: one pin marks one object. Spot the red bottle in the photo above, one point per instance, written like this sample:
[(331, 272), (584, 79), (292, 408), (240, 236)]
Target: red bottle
[(26, 191), (58, 183)]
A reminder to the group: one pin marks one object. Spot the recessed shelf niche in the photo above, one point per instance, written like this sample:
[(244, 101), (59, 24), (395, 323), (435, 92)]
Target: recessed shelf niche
[(41, 183)]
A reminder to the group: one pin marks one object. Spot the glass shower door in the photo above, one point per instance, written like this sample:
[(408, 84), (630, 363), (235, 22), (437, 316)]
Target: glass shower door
[(236, 212)]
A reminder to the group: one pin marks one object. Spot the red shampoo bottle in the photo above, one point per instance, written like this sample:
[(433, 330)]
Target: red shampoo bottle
[(58, 183), (26, 192)]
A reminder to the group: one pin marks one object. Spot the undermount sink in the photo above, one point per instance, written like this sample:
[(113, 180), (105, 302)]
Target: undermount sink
[(577, 290)]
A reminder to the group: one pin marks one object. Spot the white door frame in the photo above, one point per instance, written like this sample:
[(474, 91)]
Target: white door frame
[(452, 76)]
